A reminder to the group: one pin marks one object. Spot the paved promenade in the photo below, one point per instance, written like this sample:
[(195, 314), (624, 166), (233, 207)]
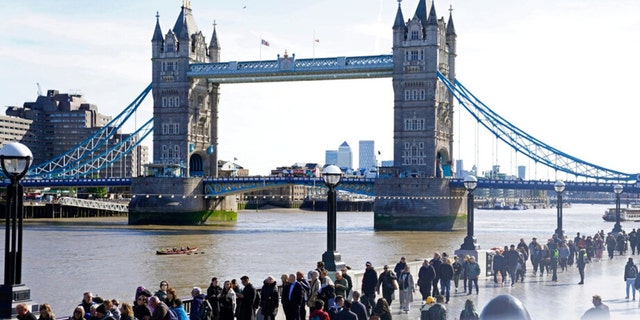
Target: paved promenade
[(545, 299)]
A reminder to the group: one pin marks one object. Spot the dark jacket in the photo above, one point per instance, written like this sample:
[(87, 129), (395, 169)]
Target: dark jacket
[(140, 311), (437, 312), (346, 314), (28, 316), (511, 258), (269, 299), (426, 275), (630, 271), (246, 311), (196, 304), (369, 281), (498, 262), (292, 299), (446, 272), (358, 308)]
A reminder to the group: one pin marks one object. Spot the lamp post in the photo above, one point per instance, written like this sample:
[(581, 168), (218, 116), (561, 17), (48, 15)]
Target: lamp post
[(559, 187), (15, 159), (470, 183), (331, 258), (617, 189)]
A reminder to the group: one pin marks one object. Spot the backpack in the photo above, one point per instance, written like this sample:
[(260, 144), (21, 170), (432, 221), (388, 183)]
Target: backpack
[(171, 314), (205, 311), (256, 300)]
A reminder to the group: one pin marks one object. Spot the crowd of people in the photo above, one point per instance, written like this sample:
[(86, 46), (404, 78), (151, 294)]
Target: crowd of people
[(317, 296)]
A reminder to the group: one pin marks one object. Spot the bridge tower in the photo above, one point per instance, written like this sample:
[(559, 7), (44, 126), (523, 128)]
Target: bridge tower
[(185, 110), (423, 108), (423, 126), (185, 135)]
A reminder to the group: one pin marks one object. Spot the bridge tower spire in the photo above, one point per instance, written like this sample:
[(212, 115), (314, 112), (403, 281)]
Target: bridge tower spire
[(185, 109)]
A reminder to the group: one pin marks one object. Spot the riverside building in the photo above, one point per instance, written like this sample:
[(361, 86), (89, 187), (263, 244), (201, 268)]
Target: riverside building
[(58, 122)]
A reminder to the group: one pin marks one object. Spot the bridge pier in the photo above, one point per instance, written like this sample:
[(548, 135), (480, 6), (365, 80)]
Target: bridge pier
[(418, 204), (177, 201)]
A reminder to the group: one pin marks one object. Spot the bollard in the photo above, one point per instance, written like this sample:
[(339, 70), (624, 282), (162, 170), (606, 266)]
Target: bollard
[(505, 307)]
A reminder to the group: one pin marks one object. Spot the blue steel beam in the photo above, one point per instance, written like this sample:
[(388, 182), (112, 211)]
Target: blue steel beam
[(292, 69), (225, 186), (528, 145), (35, 183)]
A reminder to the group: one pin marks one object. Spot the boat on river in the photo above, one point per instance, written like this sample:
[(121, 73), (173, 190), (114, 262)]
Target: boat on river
[(626, 214), (177, 251)]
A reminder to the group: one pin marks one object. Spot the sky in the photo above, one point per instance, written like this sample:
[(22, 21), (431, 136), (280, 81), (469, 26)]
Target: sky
[(564, 71)]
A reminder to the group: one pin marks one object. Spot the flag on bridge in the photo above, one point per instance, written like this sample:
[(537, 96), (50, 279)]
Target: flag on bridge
[(265, 42), (317, 40)]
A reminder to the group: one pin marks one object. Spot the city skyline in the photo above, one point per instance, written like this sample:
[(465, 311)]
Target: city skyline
[(556, 60)]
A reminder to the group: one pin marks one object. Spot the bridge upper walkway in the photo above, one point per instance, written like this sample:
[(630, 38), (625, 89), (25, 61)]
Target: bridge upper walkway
[(291, 69)]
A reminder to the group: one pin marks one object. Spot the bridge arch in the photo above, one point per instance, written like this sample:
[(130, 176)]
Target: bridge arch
[(196, 165), (443, 163)]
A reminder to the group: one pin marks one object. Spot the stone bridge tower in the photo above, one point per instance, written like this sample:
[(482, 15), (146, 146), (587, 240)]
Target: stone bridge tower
[(185, 110), (415, 194), (185, 113), (423, 108)]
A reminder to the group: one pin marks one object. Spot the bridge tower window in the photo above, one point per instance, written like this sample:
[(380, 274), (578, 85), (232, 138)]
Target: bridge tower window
[(415, 34)]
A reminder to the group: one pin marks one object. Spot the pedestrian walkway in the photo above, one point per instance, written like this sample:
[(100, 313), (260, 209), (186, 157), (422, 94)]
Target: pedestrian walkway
[(545, 299)]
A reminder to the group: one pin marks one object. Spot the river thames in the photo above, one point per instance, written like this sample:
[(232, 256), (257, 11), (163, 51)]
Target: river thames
[(64, 258)]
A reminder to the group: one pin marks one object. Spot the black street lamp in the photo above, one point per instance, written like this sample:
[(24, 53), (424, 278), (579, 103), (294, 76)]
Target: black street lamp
[(15, 159), (470, 183), (617, 189), (559, 187), (331, 258)]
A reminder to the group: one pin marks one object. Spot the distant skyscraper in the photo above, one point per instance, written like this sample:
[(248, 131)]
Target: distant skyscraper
[(460, 169), (367, 154), (331, 157), (522, 172), (345, 158)]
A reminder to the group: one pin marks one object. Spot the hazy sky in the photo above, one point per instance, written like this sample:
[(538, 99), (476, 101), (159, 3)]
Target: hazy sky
[(564, 71)]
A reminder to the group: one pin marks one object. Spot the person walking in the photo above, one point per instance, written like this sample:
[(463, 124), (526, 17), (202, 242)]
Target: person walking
[(400, 266), (600, 311), (630, 273), (436, 262), (357, 307), (346, 276), (446, 274), (457, 272), (511, 258), (498, 267), (406, 288), (369, 282), (581, 262), (437, 311), (534, 254), (425, 279), (469, 312), (472, 271), (387, 280)]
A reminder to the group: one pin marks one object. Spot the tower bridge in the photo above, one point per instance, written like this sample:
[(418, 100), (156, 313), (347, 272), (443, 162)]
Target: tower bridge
[(186, 77)]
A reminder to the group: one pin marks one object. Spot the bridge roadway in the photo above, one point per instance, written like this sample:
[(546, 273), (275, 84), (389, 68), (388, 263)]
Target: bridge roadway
[(224, 186)]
